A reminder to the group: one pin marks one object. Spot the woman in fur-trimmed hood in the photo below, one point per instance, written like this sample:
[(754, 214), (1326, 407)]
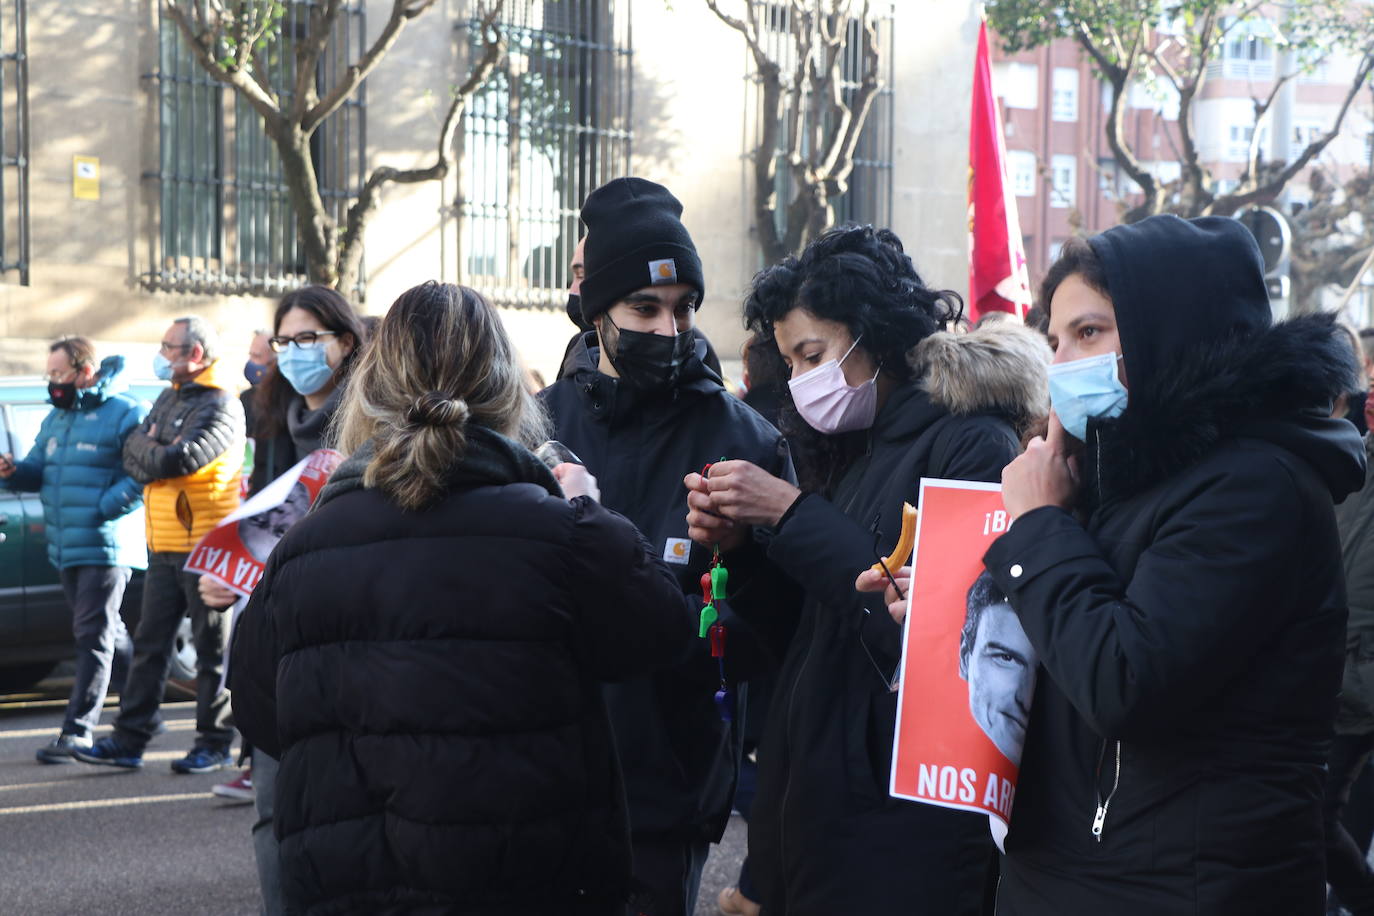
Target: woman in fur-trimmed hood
[(1175, 564), (878, 398)]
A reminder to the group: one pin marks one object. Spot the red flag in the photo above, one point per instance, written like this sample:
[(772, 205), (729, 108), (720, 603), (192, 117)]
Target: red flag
[(997, 277)]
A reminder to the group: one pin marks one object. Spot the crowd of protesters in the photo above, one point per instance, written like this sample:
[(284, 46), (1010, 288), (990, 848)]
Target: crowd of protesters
[(478, 679)]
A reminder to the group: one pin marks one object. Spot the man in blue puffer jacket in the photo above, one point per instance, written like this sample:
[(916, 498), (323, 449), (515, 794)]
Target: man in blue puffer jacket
[(95, 539)]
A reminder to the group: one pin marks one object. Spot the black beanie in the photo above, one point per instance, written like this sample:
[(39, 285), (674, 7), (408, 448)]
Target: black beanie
[(635, 238)]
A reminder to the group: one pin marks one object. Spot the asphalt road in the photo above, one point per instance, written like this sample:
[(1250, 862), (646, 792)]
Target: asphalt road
[(82, 839)]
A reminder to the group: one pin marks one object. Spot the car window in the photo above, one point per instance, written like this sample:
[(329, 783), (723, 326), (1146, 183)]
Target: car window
[(26, 418)]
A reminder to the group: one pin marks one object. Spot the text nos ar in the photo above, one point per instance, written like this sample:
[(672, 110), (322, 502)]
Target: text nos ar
[(951, 784)]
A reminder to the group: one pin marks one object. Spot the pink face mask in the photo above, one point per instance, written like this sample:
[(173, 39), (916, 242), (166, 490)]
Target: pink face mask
[(829, 404)]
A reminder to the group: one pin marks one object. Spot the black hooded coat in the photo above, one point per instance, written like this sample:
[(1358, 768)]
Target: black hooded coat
[(1190, 619)]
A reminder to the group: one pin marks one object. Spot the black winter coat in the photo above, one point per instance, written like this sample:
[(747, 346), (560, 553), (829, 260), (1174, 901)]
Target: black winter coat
[(825, 837), (1190, 625), (680, 759), (1355, 521), (430, 682)]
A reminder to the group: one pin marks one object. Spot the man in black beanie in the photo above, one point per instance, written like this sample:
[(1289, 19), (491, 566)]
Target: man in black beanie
[(640, 407)]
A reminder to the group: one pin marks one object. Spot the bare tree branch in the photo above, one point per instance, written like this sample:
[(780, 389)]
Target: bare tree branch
[(402, 11), (1230, 203), (748, 29), (493, 49), (308, 52), (202, 42)]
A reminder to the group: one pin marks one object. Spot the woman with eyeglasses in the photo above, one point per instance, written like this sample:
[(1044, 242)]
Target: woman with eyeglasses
[(317, 336)]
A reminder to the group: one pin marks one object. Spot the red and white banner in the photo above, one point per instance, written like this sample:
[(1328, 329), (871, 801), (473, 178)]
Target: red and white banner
[(997, 277), (968, 670), (235, 551)]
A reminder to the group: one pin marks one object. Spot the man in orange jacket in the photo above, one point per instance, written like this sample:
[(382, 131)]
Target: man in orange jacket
[(188, 454)]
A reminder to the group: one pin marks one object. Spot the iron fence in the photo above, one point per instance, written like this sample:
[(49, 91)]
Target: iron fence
[(552, 124), (225, 222), (14, 141), (869, 196)]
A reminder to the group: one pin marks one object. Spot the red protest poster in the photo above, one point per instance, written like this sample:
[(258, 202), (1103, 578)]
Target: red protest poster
[(235, 551), (968, 671)]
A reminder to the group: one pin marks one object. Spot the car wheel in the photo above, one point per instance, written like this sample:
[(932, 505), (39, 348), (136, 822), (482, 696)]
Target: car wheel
[(184, 654)]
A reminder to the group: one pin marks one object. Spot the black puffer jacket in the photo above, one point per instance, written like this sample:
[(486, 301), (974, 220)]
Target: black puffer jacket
[(189, 452), (430, 682), (1190, 625), (824, 835), (680, 759), (196, 421)]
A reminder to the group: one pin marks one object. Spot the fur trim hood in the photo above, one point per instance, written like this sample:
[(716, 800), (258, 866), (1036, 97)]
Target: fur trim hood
[(1277, 384), (998, 368)]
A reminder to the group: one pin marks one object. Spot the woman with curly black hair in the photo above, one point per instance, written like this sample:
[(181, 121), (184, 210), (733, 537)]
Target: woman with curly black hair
[(878, 397)]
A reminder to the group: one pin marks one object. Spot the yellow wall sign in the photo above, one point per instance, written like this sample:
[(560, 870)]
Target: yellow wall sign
[(85, 178)]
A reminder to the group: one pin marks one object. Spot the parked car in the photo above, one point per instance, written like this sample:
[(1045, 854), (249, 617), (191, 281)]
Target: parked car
[(35, 621)]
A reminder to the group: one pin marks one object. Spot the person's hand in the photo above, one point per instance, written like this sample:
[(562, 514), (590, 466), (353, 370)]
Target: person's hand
[(746, 494), (214, 594), (1045, 474), (576, 480), (703, 525), (871, 580), (7, 467)]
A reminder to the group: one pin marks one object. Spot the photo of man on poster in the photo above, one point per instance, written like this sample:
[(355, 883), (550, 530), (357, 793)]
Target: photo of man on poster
[(261, 532), (998, 662)]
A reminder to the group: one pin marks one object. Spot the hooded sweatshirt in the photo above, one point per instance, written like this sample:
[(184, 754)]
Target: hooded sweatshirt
[(1189, 615), (190, 464)]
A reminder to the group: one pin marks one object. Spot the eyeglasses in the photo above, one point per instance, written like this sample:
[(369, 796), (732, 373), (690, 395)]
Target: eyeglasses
[(305, 340), (61, 376), (171, 347)]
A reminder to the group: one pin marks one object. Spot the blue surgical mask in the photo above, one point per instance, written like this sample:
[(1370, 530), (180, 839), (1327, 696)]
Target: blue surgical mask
[(1084, 388), (307, 369), (162, 367)]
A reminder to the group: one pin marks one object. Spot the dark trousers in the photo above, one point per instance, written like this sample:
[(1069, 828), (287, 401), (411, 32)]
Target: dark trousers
[(168, 595), (94, 594), (1346, 868), (668, 872)]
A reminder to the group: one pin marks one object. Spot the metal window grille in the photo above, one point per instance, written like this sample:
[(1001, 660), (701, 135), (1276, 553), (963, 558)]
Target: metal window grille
[(225, 219), (869, 197), (551, 125), (14, 141)]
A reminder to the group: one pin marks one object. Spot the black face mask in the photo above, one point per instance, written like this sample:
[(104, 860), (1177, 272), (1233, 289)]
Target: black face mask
[(649, 362), (574, 309), (62, 394)]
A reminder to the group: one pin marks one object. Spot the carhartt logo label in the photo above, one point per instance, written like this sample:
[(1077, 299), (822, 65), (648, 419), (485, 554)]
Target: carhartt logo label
[(677, 550), (661, 272)]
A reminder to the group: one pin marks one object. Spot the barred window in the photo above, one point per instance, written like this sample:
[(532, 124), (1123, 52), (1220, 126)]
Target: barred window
[(869, 197), (224, 219), (14, 142), (549, 126)]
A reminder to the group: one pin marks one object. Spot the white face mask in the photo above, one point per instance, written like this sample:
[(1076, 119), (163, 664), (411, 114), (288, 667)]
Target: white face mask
[(829, 403)]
